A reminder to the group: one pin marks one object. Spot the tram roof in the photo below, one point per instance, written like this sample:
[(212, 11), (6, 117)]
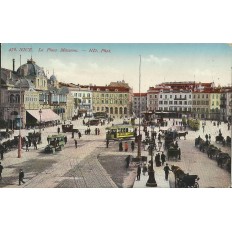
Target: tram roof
[(120, 126)]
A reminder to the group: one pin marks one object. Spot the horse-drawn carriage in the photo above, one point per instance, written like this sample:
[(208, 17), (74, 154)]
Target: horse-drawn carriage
[(198, 141), (228, 141), (183, 180), (213, 151), (174, 153), (219, 138), (203, 146), (168, 141), (69, 128), (223, 160)]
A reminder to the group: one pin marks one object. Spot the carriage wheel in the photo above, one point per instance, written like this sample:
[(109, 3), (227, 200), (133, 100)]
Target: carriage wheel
[(196, 185)]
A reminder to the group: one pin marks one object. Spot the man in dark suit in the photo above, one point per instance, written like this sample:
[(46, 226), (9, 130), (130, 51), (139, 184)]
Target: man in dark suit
[(21, 176)]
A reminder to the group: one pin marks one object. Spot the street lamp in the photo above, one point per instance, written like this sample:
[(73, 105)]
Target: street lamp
[(40, 112), (7, 125), (151, 182), (159, 145)]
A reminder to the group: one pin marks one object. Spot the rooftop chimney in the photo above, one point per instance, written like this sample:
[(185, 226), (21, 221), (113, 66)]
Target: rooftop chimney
[(13, 65)]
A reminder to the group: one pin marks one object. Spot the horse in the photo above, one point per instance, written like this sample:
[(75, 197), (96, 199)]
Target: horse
[(178, 173), (180, 134)]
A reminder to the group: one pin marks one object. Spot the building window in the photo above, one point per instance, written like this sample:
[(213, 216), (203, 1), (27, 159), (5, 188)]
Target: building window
[(189, 96), (161, 102), (170, 96), (165, 102), (180, 102), (185, 102), (170, 102), (160, 96), (175, 102), (165, 96)]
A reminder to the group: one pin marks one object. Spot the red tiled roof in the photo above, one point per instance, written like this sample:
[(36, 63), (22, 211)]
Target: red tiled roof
[(138, 94)]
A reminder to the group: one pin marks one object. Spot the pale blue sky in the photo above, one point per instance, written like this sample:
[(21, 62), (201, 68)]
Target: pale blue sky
[(160, 62)]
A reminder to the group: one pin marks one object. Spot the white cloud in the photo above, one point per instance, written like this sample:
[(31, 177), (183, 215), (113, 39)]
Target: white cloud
[(155, 59)]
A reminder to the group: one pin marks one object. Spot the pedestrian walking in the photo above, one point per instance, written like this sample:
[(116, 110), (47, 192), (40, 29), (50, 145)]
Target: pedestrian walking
[(1, 168), (58, 130), (209, 137), (96, 131), (127, 161), (132, 146), (138, 172), (166, 170), (21, 176), (144, 169), (27, 149), (203, 128), (2, 152), (206, 136), (65, 139), (107, 143), (79, 134), (126, 146), (157, 160), (75, 143), (120, 146), (163, 158)]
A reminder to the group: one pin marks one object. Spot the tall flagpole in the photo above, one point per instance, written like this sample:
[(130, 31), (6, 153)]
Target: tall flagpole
[(20, 102), (139, 137)]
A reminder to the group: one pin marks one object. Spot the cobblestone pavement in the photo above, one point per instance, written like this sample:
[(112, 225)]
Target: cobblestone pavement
[(81, 168)]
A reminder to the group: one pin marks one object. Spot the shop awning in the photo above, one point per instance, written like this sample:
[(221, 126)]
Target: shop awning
[(47, 115)]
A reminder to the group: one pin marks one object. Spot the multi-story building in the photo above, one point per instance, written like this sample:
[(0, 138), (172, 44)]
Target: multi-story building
[(82, 100), (137, 99), (112, 100), (225, 103), (152, 98), (214, 104), (174, 101), (201, 104), (34, 90)]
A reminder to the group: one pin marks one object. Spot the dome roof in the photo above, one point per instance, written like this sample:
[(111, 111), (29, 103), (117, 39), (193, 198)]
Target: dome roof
[(53, 78), (25, 84), (30, 69)]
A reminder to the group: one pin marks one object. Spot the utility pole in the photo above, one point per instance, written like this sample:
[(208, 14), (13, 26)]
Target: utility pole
[(139, 137), (20, 102)]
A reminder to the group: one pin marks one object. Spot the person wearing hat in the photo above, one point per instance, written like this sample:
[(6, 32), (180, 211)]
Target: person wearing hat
[(138, 172), (21, 176), (166, 170)]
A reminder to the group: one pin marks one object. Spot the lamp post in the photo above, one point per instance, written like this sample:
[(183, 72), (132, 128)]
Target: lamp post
[(20, 111), (151, 182), (40, 112), (139, 136), (7, 125)]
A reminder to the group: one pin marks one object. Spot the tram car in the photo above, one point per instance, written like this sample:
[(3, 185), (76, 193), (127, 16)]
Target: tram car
[(118, 132)]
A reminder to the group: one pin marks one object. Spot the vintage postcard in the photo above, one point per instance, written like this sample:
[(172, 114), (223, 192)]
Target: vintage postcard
[(115, 115)]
